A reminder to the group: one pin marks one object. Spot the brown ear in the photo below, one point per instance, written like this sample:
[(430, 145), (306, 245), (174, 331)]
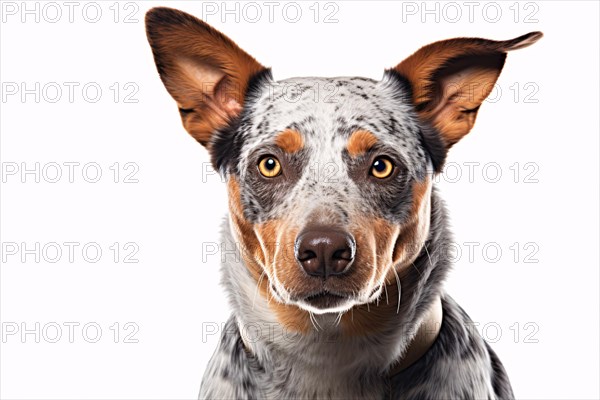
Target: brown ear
[(206, 72), (451, 78)]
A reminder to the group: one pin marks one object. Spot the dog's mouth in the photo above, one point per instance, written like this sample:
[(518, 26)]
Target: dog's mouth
[(325, 300), (318, 302)]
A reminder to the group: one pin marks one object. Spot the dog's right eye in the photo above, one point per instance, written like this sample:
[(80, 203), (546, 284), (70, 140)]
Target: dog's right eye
[(269, 166), (382, 167)]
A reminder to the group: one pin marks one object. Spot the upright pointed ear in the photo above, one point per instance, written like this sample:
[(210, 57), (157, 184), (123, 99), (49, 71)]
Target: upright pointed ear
[(204, 71), (451, 78)]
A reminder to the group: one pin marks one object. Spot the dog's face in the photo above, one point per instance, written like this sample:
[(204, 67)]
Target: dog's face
[(329, 178), (333, 187)]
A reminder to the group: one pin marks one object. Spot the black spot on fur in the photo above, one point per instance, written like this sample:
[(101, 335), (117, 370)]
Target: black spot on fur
[(226, 147), (263, 126), (257, 82), (185, 111), (404, 90)]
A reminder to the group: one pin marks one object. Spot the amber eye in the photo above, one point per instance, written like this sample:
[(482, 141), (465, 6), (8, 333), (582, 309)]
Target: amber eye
[(382, 167), (269, 166)]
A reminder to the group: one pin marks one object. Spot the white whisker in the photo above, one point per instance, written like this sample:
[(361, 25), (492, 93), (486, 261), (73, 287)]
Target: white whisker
[(339, 319), (314, 321), (257, 286), (387, 299), (428, 256), (269, 296), (420, 274), (399, 289), (310, 316)]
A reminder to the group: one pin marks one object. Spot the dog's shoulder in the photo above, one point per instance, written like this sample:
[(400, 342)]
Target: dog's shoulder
[(231, 372)]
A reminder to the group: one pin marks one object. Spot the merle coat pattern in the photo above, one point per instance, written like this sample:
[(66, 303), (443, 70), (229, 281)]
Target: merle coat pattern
[(295, 335)]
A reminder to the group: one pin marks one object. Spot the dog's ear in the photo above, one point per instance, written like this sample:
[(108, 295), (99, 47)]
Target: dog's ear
[(204, 71), (451, 78)]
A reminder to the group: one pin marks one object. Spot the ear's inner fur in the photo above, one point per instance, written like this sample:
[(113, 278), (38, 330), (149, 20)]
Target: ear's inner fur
[(450, 79), (204, 71)]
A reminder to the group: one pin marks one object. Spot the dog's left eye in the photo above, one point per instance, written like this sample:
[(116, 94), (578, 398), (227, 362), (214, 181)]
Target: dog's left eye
[(269, 166), (382, 167)]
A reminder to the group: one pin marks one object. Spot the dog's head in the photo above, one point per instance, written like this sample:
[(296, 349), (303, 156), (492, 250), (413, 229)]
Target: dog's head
[(329, 178)]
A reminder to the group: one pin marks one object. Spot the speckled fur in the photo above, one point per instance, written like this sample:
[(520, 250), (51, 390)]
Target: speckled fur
[(325, 363), (231, 104)]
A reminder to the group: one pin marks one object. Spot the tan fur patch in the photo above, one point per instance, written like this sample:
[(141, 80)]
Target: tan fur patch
[(244, 232), (448, 94), (290, 141), (380, 245), (261, 247), (375, 244), (203, 70), (422, 65), (363, 319), (396, 246), (202, 123), (360, 142), (410, 240)]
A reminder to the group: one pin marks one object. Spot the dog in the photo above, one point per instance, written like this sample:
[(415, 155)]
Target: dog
[(337, 284)]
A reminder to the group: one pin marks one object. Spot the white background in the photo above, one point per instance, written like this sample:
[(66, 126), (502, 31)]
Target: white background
[(171, 294)]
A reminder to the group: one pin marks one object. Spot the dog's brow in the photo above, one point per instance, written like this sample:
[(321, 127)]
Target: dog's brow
[(289, 141), (360, 142)]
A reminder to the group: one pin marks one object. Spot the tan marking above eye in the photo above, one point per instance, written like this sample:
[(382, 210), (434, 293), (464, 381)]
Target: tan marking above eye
[(269, 166), (290, 141), (360, 142), (382, 167)]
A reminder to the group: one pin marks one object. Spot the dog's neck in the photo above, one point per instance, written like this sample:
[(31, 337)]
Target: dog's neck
[(425, 336), (402, 337), (428, 330)]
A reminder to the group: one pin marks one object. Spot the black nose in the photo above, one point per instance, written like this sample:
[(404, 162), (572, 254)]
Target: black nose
[(324, 251)]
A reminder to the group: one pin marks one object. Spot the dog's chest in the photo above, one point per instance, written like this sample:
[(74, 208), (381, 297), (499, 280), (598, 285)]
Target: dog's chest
[(286, 379), (323, 385), (300, 370), (456, 366)]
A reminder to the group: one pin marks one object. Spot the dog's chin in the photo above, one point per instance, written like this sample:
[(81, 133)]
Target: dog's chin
[(325, 302)]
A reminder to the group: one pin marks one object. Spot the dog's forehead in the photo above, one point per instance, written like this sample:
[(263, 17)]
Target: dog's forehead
[(326, 111)]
